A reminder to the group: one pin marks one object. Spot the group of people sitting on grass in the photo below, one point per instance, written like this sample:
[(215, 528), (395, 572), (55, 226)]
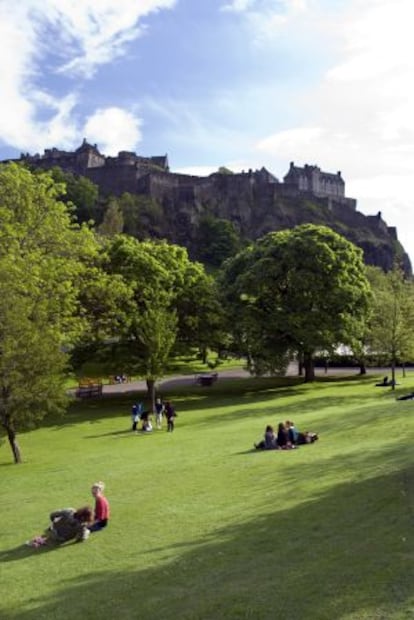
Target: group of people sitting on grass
[(287, 437), (77, 525)]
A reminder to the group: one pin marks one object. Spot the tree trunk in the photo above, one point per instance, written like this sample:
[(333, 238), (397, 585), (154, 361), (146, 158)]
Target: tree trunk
[(203, 354), (11, 434), (393, 374), (151, 392), (309, 367), (362, 368), (300, 364)]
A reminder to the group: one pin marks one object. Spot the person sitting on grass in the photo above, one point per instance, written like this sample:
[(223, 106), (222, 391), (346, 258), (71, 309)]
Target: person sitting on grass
[(269, 440), (386, 383), (147, 425), (67, 524), (283, 440), (292, 431), (102, 510)]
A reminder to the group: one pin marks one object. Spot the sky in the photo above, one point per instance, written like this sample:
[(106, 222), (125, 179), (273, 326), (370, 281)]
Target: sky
[(235, 83)]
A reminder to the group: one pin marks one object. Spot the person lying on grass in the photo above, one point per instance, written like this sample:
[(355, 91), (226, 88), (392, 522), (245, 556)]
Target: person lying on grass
[(406, 397), (67, 524)]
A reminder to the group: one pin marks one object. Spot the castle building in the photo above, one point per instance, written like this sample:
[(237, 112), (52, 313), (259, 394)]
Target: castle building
[(87, 158), (312, 179), (129, 172)]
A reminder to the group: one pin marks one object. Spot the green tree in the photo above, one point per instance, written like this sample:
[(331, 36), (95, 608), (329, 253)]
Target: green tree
[(295, 292), (113, 219), (391, 333), (80, 192), (216, 240), (143, 216), (169, 298), (43, 256)]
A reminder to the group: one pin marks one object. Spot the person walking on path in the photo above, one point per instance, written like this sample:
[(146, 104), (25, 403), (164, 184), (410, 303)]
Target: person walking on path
[(170, 415)]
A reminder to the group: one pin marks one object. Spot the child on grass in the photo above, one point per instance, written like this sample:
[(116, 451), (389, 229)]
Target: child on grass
[(102, 510)]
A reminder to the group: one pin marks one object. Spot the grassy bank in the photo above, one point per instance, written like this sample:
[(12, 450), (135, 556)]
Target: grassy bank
[(203, 526)]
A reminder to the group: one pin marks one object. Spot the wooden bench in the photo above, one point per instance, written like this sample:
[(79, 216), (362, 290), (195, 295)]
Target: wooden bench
[(205, 379), (89, 388)]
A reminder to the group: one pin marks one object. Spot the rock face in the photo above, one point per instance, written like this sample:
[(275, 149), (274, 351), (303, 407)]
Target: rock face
[(256, 202)]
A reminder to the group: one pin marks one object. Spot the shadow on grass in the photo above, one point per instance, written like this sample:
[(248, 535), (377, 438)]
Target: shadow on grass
[(22, 552), (232, 394), (316, 561), (280, 410)]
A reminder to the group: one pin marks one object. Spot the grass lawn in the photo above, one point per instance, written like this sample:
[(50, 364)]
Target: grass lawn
[(204, 527)]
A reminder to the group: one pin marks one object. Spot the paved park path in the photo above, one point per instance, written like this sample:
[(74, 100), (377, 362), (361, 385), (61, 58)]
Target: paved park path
[(173, 381)]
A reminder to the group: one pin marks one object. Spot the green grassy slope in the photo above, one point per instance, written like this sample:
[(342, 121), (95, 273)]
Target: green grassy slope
[(204, 527)]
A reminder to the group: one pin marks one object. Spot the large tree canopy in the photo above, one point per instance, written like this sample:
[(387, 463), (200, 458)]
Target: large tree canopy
[(43, 254), (295, 291), (172, 300)]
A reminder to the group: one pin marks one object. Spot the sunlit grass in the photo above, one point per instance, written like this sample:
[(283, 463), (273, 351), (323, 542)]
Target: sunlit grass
[(203, 526)]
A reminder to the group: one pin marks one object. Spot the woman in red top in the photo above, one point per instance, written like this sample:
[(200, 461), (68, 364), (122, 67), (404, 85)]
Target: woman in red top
[(102, 511)]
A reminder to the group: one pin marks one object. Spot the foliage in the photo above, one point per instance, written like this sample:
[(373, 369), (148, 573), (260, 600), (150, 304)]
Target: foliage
[(391, 333), (113, 219), (172, 300), (80, 192), (216, 240), (42, 260), (142, 215), (295, 291)]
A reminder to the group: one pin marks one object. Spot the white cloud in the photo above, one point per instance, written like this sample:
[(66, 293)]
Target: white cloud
[(359, 118), (96, 31), (237, 6), (265, 18), (115, 130), (86, 34), (265, 6)]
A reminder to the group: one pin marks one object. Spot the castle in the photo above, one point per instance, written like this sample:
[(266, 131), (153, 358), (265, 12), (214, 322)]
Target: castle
[(127, 171), (256, 202)]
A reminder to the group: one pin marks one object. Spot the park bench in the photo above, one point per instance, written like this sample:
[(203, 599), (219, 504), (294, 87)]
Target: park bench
[(89, 388), (206, 378)]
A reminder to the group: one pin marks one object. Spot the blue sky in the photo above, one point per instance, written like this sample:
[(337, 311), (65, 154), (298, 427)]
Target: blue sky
[(239, 83)]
